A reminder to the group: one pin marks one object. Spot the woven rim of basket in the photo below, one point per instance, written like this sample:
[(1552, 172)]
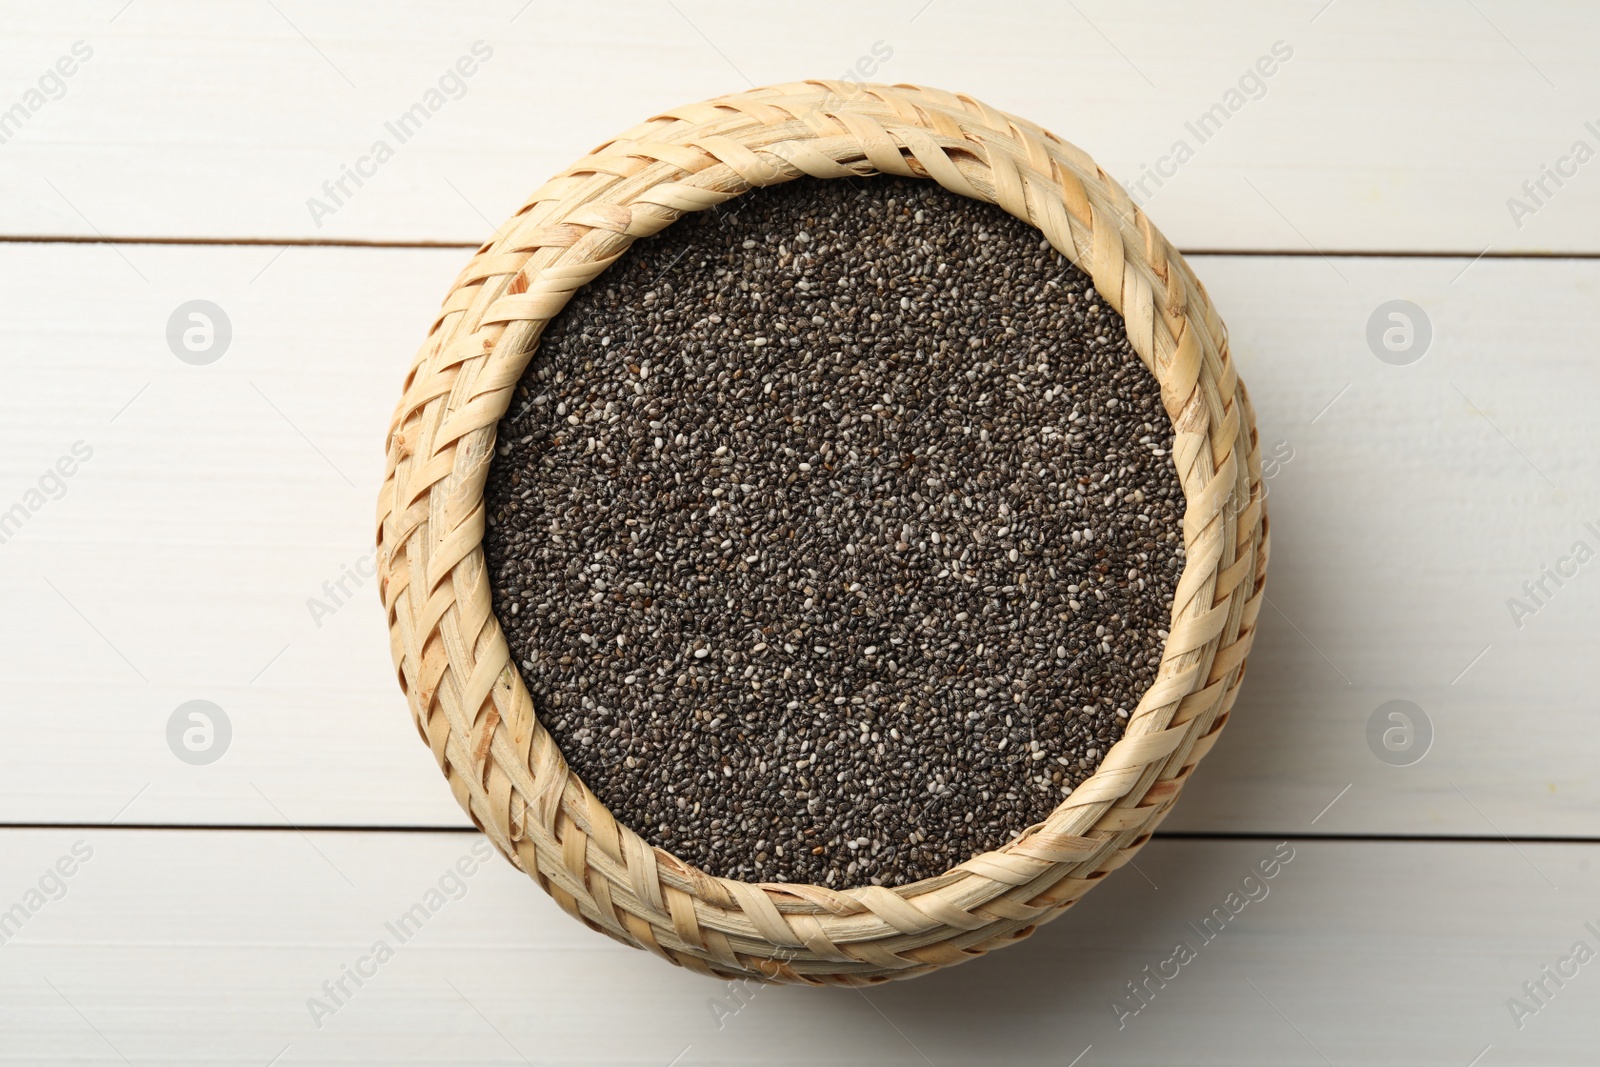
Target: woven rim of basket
[(468, 699)]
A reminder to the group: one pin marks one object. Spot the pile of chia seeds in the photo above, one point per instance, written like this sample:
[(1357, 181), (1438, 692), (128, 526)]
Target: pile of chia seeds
[(835, 532)]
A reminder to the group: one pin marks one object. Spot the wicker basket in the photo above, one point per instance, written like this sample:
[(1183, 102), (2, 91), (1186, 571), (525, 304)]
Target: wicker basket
[(469, 701)]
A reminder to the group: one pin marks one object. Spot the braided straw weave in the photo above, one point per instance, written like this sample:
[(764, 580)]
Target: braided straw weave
[(468, 700)]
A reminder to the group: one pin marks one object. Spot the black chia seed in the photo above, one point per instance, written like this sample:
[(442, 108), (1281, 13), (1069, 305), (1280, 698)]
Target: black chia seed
[(835, 532)]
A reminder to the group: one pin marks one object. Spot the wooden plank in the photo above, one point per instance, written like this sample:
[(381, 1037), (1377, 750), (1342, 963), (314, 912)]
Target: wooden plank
[(181, 560), (1408, 503), (1395, 127), (208, 947), (1411, 506)]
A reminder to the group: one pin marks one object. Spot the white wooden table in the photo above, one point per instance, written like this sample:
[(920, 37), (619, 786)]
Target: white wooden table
[(201, 531)]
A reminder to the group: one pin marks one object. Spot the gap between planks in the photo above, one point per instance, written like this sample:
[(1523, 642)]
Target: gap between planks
[(1175, 835), (352, 242)]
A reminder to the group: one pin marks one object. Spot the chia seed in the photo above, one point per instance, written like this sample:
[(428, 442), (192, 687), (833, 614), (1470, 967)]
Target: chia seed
[(835, 532)]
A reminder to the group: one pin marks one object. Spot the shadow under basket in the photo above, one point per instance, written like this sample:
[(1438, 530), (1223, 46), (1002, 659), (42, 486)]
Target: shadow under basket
[(469, 700)]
